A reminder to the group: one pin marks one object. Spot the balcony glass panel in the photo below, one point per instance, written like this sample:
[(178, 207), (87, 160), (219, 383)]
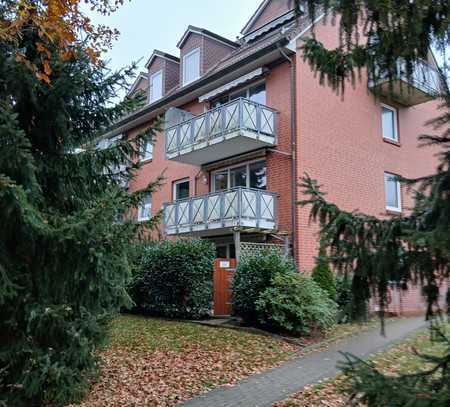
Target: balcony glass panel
[(422, 85), (221, 211), (236, 127)]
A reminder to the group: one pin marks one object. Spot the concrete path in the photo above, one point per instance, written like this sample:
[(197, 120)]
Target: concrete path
[(276, 384)]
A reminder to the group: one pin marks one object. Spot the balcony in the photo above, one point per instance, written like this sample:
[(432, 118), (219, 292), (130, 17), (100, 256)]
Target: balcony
[(234, 128), (219, 212), (423, 86)]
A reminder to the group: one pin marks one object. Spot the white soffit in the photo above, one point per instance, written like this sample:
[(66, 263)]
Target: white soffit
[(230, 85)]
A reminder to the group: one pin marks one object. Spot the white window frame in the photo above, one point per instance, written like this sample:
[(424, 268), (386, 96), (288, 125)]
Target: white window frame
[(152, 98), (227, 169), (174, 188), (394, 110), (190, 53), (142, 207), (399, 193), (147, 153)]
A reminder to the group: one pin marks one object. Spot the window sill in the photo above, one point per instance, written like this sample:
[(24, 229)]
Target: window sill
[(392, 142), (143, 219), (393, 212), (148, 160)]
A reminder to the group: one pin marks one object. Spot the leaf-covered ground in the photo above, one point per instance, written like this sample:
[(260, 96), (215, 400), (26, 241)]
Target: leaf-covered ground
[(397, 359), (153, 362)]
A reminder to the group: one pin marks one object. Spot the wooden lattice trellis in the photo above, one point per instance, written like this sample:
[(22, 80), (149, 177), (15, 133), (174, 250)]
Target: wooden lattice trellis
[(251, 249)]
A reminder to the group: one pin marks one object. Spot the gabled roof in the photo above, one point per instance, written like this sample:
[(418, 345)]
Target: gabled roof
[(255, 16), (274, 9), (160, 54), (192, 29), (141, 77)]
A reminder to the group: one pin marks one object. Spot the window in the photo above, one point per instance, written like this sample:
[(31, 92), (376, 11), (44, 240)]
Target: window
[(392, 192), (147, 151), (256, 93), (252, 175), (180, 190), (258, 176), (156, 86), (226, 251), (145, 208), (389, 122), (191, 66)]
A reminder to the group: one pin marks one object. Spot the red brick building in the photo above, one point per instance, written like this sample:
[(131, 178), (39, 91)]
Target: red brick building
[(244, 120)]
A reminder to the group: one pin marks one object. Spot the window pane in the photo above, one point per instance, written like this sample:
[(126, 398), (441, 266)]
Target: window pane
[(221, 252), (388, 123), (258, 175), (240, 94), (258, 94), (391, 189), (146, 207), (221, 180), (191, 66), (147, 151), (219, 102), (182, 190), (232, 251), (156, 86), (238, 177)]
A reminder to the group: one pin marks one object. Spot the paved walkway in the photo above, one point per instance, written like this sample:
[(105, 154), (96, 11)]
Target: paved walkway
[(264, 389)]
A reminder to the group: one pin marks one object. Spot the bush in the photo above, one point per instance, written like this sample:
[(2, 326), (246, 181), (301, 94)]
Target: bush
[(323, 275), (253, 275), (348, 308), (295, 304), (175, 279)]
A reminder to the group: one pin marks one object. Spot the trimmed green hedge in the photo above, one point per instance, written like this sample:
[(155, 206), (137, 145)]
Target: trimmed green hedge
[(253, 275), (174, 279)]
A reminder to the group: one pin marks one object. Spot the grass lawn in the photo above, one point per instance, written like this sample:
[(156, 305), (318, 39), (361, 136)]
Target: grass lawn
[(154, 362), (395, 360)]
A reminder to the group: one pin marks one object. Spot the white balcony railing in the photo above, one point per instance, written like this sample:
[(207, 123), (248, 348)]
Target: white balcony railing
[(196, 141), (236, 207), (422, 85)]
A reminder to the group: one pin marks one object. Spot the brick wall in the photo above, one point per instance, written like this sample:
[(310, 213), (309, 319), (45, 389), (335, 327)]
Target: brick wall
[(279, 160), (213, 52), (170, 71), (340, 144), (172, 75)]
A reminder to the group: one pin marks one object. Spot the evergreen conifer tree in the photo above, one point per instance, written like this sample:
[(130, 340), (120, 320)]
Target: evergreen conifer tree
[(413, 248), (64, 260)]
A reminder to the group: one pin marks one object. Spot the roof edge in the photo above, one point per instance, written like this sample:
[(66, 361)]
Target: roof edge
[(161, 54), (206, 33), (255, 16)]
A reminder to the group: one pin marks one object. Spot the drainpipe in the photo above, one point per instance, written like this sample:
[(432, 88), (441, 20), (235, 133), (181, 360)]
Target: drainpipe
[(293, 89)]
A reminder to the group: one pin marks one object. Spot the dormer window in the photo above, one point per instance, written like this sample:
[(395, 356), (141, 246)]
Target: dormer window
[(191, 66), (156, 86)]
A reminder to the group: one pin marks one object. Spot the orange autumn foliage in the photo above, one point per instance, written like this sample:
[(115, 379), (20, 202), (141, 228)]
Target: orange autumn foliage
[(59, 24)]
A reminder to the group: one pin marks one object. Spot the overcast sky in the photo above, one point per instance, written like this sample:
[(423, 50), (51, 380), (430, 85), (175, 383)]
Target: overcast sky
[(146, 25)]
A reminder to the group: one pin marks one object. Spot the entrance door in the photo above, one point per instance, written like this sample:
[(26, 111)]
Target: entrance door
[(223, 274)]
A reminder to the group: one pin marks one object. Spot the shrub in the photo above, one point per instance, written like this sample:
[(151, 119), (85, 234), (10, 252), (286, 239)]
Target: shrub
[(175, 279), (323, 275), (348, 308), (253, 275), (295, 304)]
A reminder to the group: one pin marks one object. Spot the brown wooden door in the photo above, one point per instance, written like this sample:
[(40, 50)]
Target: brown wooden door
[(223, 274)]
